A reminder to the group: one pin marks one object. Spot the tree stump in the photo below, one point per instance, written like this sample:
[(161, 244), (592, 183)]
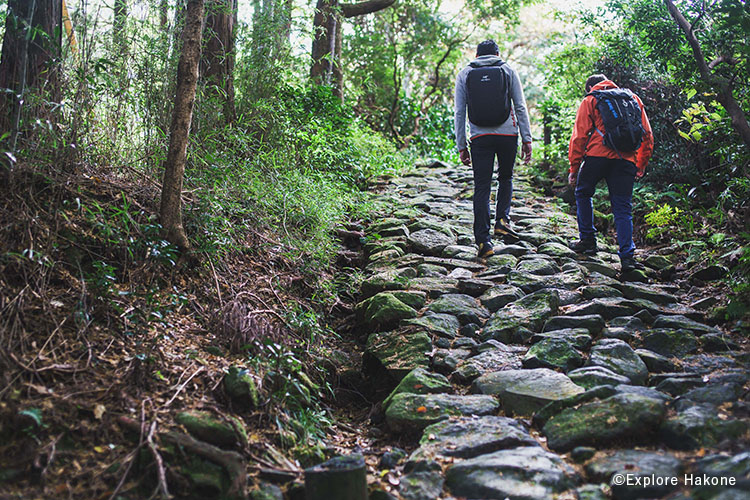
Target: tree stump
[(340, 478)]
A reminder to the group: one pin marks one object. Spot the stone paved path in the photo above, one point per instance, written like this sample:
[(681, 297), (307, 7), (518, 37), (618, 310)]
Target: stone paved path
[(538, 374)]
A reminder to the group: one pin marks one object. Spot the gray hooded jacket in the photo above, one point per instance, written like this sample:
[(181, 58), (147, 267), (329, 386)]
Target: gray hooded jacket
[(519, 116)]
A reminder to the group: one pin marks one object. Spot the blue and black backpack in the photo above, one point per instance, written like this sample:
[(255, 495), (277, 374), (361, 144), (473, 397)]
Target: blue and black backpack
[(621, 114)]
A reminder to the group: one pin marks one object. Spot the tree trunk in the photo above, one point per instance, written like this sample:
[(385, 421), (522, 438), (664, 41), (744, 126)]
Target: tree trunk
[(179, 131), (43, 54), (163, 14), (118, 25), (217, 61), (326, 48), (719, 84)]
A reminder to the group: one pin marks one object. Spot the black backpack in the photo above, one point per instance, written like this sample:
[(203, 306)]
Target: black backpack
[(488, 90), (621, 114)]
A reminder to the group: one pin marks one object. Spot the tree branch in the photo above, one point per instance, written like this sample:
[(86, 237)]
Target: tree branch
[(367, 7), (723, 59), (692, 40)]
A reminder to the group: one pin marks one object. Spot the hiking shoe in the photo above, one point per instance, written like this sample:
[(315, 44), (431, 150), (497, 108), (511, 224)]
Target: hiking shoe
[(485, 250), (585, 247), (631, 265), (502, 229)]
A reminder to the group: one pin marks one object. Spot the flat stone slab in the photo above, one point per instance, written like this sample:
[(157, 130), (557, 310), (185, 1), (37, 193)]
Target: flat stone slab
[(594, 323), (523, 392), (494, 360), (592, 376), (636, 464), (528, 473), (464, 307), (528, 313), (413, 412), (600, 423), (468, 437), (580, 338), (442, 325), (680, 322), (399, 351), (430, 241), (500, 296), (553, 352)]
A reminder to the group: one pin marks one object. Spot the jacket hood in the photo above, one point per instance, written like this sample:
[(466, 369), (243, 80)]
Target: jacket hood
[(604, 85), (488, 60)]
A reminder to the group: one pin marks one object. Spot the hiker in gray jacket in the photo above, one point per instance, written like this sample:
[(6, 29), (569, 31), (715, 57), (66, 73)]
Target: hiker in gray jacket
[(490, 90)]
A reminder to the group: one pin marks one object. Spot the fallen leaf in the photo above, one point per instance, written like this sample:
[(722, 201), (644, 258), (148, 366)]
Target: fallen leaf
[(612, 420), (418, 386), (422, 409), (99, 410), (392, 479)]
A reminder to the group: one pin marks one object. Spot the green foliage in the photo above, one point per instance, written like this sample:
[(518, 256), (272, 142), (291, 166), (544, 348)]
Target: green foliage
[(663, 219)]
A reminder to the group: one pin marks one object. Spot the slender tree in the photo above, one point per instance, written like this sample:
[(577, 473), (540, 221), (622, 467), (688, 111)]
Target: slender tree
[(721, 85), (217, 61), (36, 57), (326, 49), (179, 131)]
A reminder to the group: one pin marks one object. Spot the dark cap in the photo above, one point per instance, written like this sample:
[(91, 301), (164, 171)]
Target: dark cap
[(488, 47)]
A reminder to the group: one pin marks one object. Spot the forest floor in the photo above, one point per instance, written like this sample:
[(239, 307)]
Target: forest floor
[(92, 409)]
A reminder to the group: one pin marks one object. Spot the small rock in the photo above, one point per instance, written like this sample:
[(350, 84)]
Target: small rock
[(421, 486), (204, 426), (593, 376), (619, 357), (710, 273), (500, 296), (577, 337), (420, 381), (553, 353), (656, 363), (391, 459), (383, 311), (580, 454), (240, 387)]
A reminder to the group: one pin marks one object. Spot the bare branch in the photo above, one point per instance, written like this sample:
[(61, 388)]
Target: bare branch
[(692, 40), (367, 7), (723, 59)]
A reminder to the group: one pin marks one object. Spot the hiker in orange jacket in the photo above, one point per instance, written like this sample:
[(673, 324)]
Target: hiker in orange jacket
[(591, 160)]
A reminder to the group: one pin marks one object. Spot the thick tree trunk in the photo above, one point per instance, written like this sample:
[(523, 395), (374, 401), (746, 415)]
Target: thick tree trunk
[(179, 132), (720, 85), (217, 61), (163, 13), (42, 58), (326, 48)]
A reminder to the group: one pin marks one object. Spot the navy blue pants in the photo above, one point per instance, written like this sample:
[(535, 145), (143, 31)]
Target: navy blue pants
[(484, 149), (620, 176)]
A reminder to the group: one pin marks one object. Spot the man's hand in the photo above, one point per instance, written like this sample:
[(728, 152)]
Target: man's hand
[(465, 156), (639, 174), (526, 153), (573, 178)]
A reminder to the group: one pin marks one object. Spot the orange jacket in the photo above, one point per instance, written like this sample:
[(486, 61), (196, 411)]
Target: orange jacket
[(586, 142)]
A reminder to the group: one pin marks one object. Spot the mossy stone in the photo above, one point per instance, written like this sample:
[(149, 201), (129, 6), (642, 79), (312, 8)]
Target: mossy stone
[(240, 387), (204, 426)]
